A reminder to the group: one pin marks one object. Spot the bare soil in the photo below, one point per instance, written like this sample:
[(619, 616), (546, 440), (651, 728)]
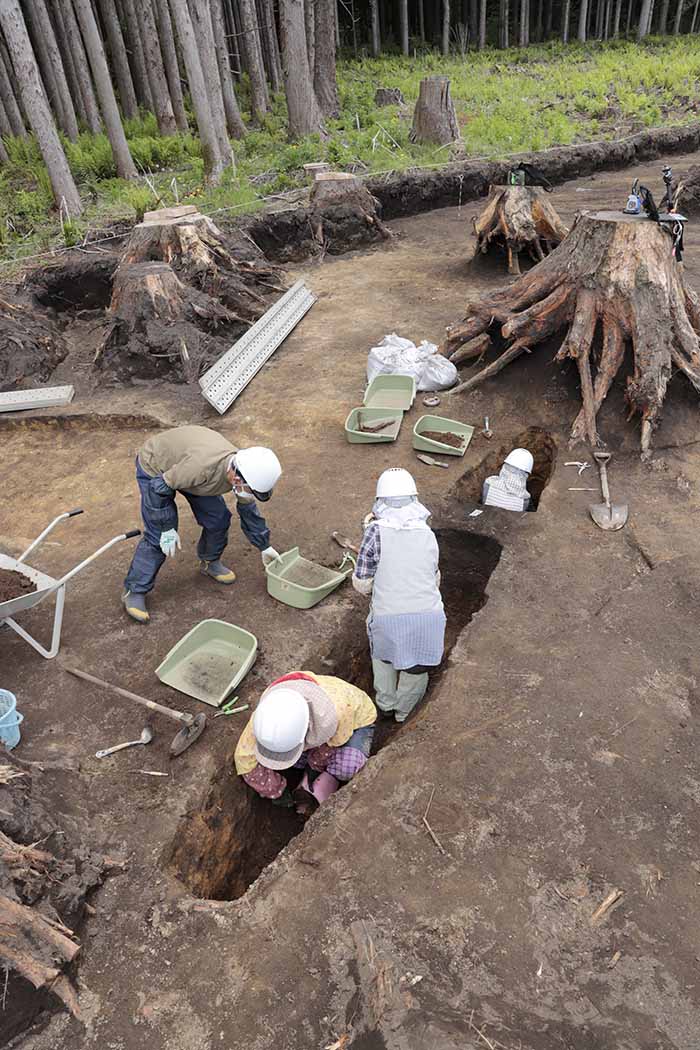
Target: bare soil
[(12, 584), (560, 738)]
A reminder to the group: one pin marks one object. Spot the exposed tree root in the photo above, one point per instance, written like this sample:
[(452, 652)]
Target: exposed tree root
[(30, 347), (614, 274), (516, 219)]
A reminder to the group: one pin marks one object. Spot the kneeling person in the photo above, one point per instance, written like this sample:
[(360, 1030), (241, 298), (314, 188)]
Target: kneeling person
[(202, 466), (310, 730)]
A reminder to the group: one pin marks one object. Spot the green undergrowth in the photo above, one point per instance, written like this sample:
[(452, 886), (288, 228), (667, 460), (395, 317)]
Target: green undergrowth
[(506, 102)]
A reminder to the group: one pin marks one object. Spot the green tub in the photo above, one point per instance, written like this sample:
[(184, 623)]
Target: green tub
[(445, 426), (366, 415), (301, 583), (391, 391), (210, 661)]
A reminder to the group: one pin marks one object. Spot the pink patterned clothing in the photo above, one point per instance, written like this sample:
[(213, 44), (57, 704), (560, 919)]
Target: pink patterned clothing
[(341, 762)]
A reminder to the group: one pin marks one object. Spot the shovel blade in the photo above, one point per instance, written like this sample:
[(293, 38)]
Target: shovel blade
[(188, 735), (610, 518)]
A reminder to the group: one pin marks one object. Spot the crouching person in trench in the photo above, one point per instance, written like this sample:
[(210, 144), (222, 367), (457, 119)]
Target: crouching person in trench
[(309, 734)]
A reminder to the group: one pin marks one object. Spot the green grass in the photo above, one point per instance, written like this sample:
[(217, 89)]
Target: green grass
[(506, 102)]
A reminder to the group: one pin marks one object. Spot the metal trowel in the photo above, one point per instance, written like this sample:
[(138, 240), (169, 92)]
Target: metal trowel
[(608, 516)]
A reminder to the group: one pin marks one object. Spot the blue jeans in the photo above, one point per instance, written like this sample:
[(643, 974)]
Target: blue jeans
[(159, 513)]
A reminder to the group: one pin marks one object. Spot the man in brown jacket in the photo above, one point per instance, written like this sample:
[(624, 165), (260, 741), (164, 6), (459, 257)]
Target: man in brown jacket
[(202, 465)]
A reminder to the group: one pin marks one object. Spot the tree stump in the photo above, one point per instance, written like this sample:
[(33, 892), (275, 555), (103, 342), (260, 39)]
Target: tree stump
[(515, 219), (182, 293), (389, 97), (613, 273), (434, 118), (344, 214)]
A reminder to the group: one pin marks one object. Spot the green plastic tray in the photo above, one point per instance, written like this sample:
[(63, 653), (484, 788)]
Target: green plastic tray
[(356, 437), (301, 583), (446, 426), (391, 391), (210, 661)]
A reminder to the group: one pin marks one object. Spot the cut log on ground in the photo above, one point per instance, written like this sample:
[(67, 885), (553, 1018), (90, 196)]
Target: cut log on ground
[(37, 948), (182, 293), (434, 118), (30, 347), (615, 274), (344, 215), (516, 219)]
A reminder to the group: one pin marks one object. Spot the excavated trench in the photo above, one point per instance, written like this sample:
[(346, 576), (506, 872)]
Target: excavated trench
[(220, 849), (223, 845)]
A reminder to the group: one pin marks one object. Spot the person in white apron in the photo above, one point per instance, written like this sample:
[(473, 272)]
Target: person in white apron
[(508, 488), (398, 564)]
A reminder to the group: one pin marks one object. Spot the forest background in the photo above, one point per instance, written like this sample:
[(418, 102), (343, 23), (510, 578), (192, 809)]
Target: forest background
[(109, 108)]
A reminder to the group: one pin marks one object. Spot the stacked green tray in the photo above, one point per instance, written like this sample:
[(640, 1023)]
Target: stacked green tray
[(391, 391)]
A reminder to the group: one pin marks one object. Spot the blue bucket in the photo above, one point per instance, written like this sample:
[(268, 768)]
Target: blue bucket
[(10, 719)]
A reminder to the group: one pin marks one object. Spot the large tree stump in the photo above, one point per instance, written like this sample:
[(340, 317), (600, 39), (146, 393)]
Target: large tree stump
[(515, 219), (344, 215), (434, 118), (614, 273), (182, 293)]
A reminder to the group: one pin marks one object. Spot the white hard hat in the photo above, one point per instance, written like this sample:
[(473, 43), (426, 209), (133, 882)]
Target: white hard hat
[(395, 482), (279, 727), (520, 458), (260, 469)]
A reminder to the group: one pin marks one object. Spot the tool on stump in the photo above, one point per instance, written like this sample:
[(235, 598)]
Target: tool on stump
[(192, 725), (145, 738), (608, 516)]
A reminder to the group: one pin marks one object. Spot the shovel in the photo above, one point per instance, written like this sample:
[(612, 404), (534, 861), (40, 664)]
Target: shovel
[(608, 516)]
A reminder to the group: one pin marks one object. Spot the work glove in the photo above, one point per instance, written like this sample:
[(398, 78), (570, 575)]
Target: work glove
[(362, 586), (169, 541), (269, 555), (368, 519)]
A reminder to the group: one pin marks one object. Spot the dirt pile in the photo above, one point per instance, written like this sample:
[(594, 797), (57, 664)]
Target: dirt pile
[(30, 346), (12, 584), (446, 438)]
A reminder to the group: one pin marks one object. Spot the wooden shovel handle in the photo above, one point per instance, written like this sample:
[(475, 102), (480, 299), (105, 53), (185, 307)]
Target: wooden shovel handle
[(177, 716)]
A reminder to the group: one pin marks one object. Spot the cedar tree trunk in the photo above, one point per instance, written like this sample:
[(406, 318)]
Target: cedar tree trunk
[(304, 113), (37, 107)]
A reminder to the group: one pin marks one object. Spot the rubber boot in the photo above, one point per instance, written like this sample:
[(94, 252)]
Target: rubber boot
[(135, 605), (218, 571), (411, 690), (384, 686), (324, 786)]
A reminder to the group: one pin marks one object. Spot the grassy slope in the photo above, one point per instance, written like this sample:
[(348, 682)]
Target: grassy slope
[(505, 101)]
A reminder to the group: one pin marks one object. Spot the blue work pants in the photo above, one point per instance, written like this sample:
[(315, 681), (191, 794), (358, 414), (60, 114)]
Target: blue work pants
[(159, 513)]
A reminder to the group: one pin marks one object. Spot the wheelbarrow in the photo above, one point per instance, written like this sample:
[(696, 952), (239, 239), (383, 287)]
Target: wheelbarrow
[(45, 586)]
